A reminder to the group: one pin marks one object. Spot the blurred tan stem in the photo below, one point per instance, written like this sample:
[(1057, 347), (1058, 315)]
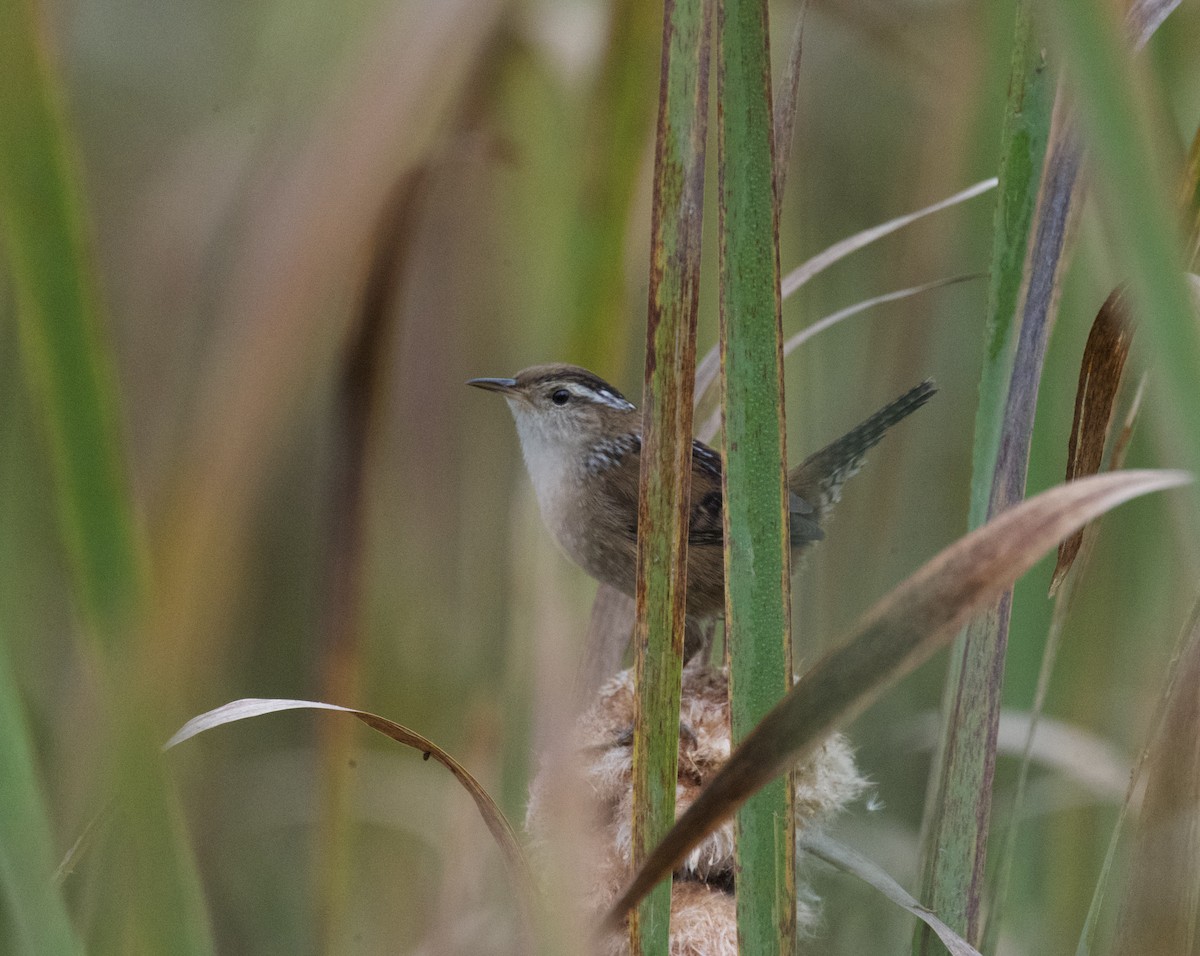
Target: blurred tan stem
[(356, 417), (608, 633), (620, 120)]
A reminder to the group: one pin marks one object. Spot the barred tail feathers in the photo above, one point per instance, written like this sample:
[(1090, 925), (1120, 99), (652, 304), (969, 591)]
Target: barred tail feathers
[(818, 480)]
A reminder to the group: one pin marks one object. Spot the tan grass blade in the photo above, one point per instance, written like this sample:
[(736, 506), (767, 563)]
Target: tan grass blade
[(713, 423), (854, 863), (839, 250), (706, 371), (899, 633), (1160, 912), (1157, 725), (302, 243), (1144, 17), (795, 341), (1090, 761), (1064, 600)]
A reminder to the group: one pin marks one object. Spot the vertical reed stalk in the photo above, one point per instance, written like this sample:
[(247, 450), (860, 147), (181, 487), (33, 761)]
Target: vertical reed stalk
[(663, 506), (757, 580)]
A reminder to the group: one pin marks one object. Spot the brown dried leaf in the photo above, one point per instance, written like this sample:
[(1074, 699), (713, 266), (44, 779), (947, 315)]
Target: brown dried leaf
[(899, 633), (1100, 374)]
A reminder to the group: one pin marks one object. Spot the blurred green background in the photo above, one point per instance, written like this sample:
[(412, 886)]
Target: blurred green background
[(236, 160)]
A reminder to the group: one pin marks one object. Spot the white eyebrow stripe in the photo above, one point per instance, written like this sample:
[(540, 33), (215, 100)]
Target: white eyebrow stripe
[(602, 396)]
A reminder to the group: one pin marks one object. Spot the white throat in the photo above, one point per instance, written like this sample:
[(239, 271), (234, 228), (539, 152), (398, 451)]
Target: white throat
[(550, 459)]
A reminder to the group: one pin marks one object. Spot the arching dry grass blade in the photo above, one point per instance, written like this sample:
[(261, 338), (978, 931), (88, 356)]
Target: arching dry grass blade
[(1144, 17), (706, 371), (900, 632), (1091, 762), (795, 341), (839, 250), (493, 818), (713, 423), (854, 863), (1157, 723)]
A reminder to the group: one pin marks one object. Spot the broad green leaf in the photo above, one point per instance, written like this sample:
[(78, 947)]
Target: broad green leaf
[(1039, 165), (757, 572), (31, 897), (45, 236), (44, 232)]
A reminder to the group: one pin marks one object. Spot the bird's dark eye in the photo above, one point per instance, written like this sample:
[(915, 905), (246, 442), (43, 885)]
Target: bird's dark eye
[(561, 397)]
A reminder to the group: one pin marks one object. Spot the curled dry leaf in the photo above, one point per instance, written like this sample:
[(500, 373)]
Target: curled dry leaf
[(1100, 375), (899, 633), (493, 818)]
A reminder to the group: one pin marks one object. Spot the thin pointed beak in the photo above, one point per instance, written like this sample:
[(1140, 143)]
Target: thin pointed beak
[(502, 385)]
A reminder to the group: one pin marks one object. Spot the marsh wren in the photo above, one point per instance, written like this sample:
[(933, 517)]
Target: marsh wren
[(582, 441)]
